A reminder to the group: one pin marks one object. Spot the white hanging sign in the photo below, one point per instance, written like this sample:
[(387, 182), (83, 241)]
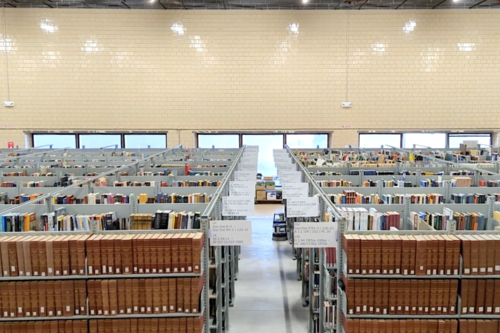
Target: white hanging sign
[(248, 166), (280, 152), (244, 175), (252, 148), (242, 188), (238, 206), (295, 190), (288, 176), (302, 207), (230, 232), (314, 234), (286, 167)]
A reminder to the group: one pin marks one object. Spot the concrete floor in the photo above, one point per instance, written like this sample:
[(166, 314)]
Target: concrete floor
[(267, 291)]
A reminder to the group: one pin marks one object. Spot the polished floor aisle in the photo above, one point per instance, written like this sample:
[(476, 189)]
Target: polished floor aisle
[(267, 291)]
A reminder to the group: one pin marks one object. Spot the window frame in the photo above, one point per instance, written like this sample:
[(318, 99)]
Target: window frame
[(124, 135), (33, 134), (468, 134), (381, 133)]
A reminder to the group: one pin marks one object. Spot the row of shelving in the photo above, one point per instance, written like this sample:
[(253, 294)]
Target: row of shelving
[(322, 278), (220, 264)]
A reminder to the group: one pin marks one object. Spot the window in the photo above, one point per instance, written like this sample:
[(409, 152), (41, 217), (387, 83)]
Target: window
[(56, 140), (307, 140), (218, 140), (454, 140), (145, 140), (422, 140), (266, 143), (377, 140), (100, 140)]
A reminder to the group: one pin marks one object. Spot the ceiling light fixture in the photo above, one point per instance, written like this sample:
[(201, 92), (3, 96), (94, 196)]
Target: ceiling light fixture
[(409, 26), (178, 29), (305, 1), (294, 28)]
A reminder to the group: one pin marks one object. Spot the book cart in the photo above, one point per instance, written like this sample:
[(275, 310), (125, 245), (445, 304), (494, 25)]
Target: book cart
[(226, 265)]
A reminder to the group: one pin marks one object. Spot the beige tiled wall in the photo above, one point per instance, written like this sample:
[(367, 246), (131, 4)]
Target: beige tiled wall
[(250, 70)]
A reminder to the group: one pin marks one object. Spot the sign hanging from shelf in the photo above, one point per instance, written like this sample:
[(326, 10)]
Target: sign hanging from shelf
[(315, 234), (230, 232), (242, 188), (244, 175), (238, 206), (302, 207), (295, 190)]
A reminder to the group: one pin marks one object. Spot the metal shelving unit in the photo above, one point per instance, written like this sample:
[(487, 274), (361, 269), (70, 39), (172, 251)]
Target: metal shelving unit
[(223, 262)]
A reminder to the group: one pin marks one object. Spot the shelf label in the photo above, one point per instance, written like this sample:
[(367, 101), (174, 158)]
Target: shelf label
[(238, 206), (230, 232), (244, 176), (286, 167), (242, 188), (280, 152), (295, 190), (302, 207), (290, 176), (314, 234), (248, 166)]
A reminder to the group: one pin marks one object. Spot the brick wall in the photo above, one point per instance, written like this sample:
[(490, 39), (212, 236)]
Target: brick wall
[(249, 70)]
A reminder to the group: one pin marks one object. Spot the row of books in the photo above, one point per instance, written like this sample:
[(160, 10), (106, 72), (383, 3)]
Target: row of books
[(349, 197), (489, 183), (53, 326), (14, 222), (471, 198), (334, 183), (153, 325), (408, 325), (403, 254), (144, 253), (194, 183), (480, 296), (439, 221), (144, 296), (59, 221), (387, 183), (182, 198), (480, 254), (166, 219), (363, 219), (415, 198), (49, 255), (463, 181), (401, 297), (370, 173), (437, 183), (43, 299)]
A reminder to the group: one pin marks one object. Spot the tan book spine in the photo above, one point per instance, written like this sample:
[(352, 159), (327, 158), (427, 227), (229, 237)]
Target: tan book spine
[(121, 295), (135, 296), (68, 297), (82, 296), (147, 253), (149, 296), (49, 249), (113, 297), (73, 254), (65, 256), (157, 296), (42, 255), (91, 285), (174, 243), (110, 255), (50, 298), (180, 295), (153, 253), (142, 296), (103, 254), (58, 298), (33, 300), (105, 297), (172, 295), (128, 296), (56, 249), (117, 254), (160, 253), (80, 251), (98, 297), (168, 253), (20, 256)]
